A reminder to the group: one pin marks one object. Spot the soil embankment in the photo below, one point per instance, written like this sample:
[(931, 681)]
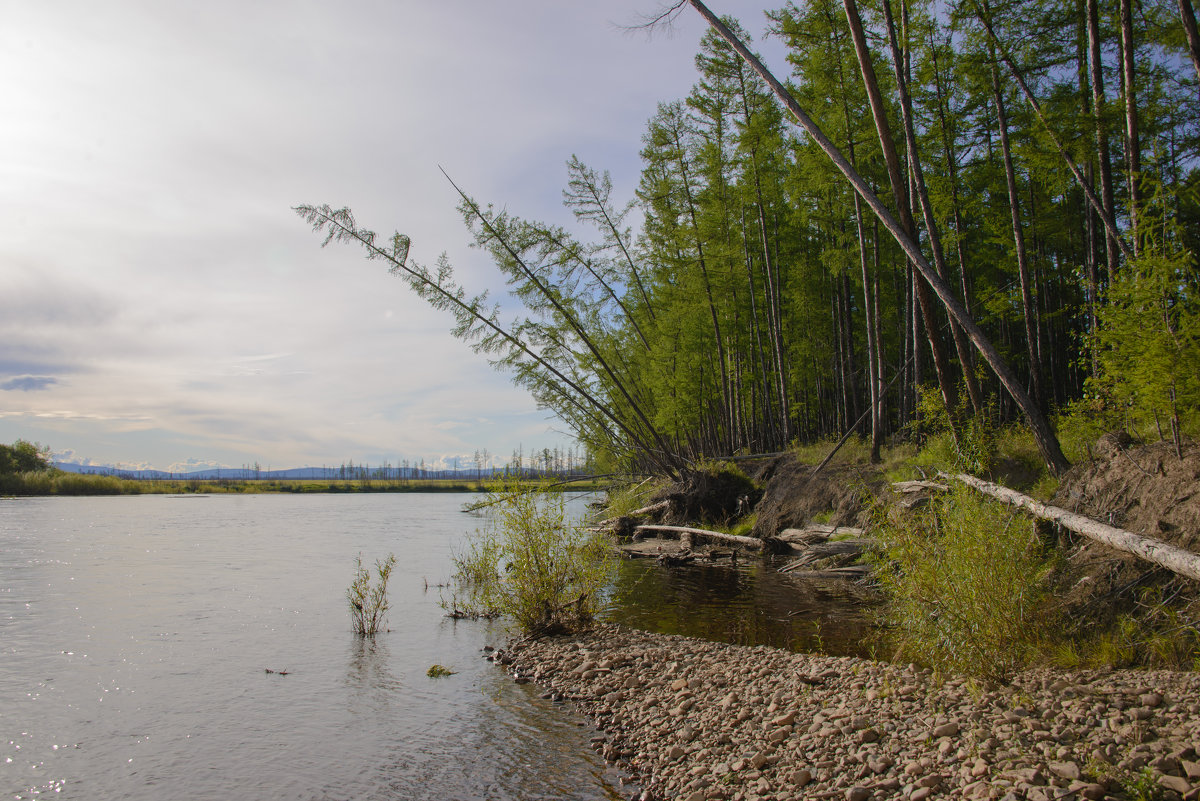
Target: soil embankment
[(1146, 489)]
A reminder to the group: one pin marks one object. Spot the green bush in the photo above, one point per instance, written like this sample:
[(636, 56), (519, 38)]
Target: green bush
[(964, 578), (368, 599), (533, 565), (24, 457)]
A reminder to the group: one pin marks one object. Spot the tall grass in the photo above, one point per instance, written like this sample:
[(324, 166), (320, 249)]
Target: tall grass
[(54, 482), (965, 581)]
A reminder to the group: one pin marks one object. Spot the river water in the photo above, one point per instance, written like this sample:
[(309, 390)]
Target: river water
[(137, 636)]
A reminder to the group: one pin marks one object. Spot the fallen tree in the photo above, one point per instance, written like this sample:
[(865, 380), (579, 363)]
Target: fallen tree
[(1175, 559), (687, 535)]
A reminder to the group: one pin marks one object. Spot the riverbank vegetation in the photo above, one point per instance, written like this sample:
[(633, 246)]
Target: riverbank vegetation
[(531, 564)]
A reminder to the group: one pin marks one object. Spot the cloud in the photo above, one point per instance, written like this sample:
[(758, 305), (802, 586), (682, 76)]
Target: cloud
[(152, 261), (28, 383), (192, 465)]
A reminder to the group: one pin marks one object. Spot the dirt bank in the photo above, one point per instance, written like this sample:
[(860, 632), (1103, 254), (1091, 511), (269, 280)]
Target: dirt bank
[(1146, 489), (700, 720)]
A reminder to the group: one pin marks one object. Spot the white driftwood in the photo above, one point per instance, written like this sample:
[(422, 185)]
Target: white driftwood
[(816, 532), (919, 486), (651, 509), (1177, 560), (694, 533)]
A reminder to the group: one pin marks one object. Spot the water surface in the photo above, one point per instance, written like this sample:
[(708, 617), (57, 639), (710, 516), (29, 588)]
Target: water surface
[(136, 636), (136, 632)]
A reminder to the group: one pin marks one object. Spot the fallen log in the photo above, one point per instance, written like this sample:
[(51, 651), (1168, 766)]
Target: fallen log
[(816, 532), (616, 523), (651, 509), (692, 533), (1175, 559)]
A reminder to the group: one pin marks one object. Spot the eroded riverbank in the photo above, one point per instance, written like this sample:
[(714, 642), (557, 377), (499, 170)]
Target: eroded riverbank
[(702, 720)]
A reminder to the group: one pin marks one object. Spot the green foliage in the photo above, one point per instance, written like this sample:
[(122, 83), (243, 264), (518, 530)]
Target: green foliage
[(969, 445), (1143, 786), (367, 596), (533, 565), (964, 583), (438, 671), (1149, 342), (24, 457), (1154, 634), (856, 450)]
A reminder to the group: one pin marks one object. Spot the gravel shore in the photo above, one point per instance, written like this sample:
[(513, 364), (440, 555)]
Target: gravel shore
[(699, 720)]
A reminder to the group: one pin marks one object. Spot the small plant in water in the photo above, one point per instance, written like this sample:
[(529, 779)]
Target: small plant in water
[(437, 671), (533, 565), (367, 597)]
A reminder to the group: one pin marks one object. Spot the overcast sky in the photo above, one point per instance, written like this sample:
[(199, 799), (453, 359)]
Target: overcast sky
[(160, 303)]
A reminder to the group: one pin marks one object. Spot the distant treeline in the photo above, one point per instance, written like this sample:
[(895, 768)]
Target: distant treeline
[(26, 469), (558, 462)]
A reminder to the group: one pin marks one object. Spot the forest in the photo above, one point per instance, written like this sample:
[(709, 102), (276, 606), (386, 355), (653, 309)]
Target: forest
[(960, 215)]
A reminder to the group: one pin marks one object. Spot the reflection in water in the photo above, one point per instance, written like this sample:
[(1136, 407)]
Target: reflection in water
[(367, 673), (748, 604)]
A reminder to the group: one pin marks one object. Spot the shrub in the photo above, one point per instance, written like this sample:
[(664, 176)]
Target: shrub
[(964, 578), (368, 600), (533, 565)]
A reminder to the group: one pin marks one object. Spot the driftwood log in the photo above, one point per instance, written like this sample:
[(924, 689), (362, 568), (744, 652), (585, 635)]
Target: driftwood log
[(651, 509), (688, 535), (1175, 559)]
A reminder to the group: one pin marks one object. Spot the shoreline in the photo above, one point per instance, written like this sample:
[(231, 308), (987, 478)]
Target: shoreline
[(699, 720)]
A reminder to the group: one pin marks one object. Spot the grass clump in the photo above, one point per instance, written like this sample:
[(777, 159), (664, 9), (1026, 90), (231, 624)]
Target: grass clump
[(964, 578), (368, 597), (438, 671), (533, 565)]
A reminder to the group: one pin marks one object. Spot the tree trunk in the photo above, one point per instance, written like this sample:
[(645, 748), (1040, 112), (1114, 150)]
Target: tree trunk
[(1188, 15), (961, 345), (1010, 179), (1133, 145), (1177, 560), (1103, 156), (899, 183)]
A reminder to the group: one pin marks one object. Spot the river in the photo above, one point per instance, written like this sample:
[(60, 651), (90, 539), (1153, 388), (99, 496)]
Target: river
[(138, 636)]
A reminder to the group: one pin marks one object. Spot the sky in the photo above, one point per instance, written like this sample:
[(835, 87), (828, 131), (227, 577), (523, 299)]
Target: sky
[(162, 306)]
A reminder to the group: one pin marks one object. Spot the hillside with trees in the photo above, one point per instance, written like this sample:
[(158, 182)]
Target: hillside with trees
[(1021, 245)]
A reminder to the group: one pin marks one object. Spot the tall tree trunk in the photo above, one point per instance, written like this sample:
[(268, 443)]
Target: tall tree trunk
[(1133, 145), (1103, 155), (712, 306), (1010, 179), (961, 346), (899, 182), (985, 18), (1188, 15), (868, 314), (949, 152)]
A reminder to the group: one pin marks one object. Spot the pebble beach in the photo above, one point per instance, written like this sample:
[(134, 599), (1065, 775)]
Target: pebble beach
[(698, 720)]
